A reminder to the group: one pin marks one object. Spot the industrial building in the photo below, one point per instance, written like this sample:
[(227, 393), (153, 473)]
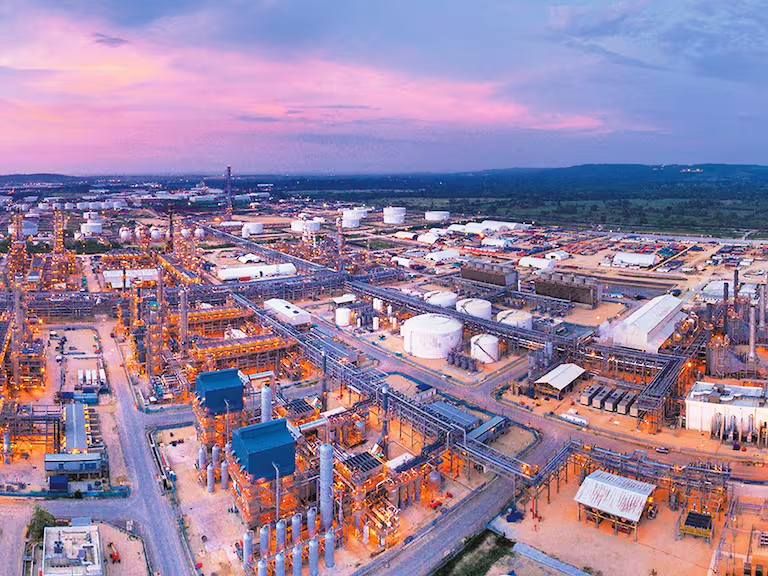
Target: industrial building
[(574, 288), (651, 325), (560, 380), (640, 260), (72, 551), (617, 500), (536, 262), (730, 412)]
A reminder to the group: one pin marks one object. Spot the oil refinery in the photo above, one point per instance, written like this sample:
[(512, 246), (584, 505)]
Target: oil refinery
[(265, 386)]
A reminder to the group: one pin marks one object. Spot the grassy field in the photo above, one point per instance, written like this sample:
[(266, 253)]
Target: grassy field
[(478, 555)]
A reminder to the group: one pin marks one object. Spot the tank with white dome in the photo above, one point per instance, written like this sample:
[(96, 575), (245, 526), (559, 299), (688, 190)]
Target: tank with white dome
[(394, 215), (441, 298), (199, 234), (431, 336), (125, 235), (437, 215), (516, 318), (475, 307)]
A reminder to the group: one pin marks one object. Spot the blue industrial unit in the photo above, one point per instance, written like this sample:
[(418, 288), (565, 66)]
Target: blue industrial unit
[(216, 389), (258, 446), (58, 483)]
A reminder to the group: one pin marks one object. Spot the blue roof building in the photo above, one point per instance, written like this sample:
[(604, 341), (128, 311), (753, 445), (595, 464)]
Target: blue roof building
[(258, 446), (216, 389)]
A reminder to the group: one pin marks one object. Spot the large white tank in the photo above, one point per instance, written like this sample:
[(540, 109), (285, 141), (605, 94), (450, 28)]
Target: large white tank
[(394, 215), (350, 223), (516, 318), (82, 205), (250, 228), (475, 307), (343, 317), (125, 234), (186, 233), (441, 298), (430, 336), (69, 206), (485, 348), (94, 205), (437, 215), (155, 234), (199, 234), (107, 205), (297, 225), (90, 215), (312, 226), (140, 231), (90, 228)]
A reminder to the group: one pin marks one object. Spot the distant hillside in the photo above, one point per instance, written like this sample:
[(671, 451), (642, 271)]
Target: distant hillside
[(32, 178)]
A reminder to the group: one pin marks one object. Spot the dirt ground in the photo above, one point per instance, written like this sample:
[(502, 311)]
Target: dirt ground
[(118, 472), (561, 535), (204, 514), (606, 311), (133, 562)]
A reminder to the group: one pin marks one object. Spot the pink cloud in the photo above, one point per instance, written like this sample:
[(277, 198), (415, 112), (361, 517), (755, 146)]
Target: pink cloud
[(150, 98)]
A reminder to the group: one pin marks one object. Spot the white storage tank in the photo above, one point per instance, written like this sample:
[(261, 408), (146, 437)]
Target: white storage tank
[(199, 234), (475, 307), (82, 205), (90, 215), (431, 336), (125, 234), (394, 215), (485, 348), (94, 205), (155, 234), (107, 205), (516, 318), (69, 206), (360, 213), (343, 317), (90, 228), (312, 226), (350, 223), (441, 298), (186, 233), (140, 231), (437, 215), (250, 228), (297, 225)]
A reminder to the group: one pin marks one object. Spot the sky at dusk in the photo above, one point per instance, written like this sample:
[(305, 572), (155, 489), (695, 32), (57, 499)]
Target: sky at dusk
[(341, 86)]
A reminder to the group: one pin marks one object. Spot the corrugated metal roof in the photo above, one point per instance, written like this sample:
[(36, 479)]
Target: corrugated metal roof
[(562, 376), (612, 494), (634, 259), (653, 313), (455, 415)]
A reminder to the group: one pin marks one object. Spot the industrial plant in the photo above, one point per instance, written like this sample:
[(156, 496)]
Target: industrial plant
[(313, 388)]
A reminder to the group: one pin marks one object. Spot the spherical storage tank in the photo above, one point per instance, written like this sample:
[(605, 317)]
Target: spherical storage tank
[(199, 234), (475, 307), (186, 233), (484, 348), (250, 228), (516, 318), (343, 316), (436, 215), (125, 234), (431, 336), (394, 215), (155, 234), (441, 298)]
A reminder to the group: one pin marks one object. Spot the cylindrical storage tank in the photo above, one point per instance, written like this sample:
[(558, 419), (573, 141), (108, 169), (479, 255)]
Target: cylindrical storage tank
[(475, 307), (280, 534), (485, 348), (350, 223), (343, 317), (216, 454), (94, 205), (107, 205), (311, 521), (261, 568), (247, 547), (434, 479), (90, 228), (250, 228), (264, 541), (224, 475), (437, 215), (311, 226), (211, 477), (44, 205), (82, 205), (155, 234), (326, 486), (378, 304), (69, 206), (199, 234), (280, 564), (441, 298), (296, 528), (361, 213), (296, 570), (329, 549), (431, 336), (394, 215), (201, 458), (516, 318), (313, 558), (375, 322), (266, 403), (297, 226), (125, 235)]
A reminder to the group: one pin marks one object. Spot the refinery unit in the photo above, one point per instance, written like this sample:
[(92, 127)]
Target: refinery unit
[(330, 360)]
